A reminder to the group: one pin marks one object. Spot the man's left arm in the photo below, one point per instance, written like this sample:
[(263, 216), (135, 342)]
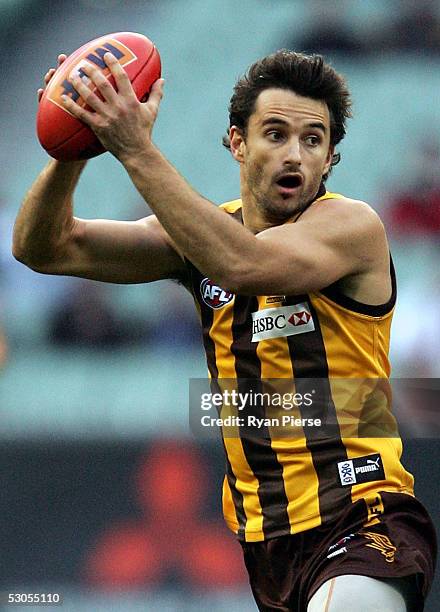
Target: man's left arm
[(288, 259), (332, 240)]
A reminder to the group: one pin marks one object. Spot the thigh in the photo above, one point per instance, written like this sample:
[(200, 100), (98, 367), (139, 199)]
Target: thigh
[(360, 593), (399, 550)]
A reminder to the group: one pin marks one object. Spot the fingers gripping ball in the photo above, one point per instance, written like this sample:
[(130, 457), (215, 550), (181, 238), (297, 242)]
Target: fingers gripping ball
[(64, 136)]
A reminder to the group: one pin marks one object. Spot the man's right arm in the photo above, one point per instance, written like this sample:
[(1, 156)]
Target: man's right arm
[(50, 240)]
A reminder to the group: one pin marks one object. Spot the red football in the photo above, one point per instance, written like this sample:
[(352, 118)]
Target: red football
[(62, 135)]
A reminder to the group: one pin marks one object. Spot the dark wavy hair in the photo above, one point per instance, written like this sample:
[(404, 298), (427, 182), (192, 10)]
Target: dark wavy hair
[(307, 75)]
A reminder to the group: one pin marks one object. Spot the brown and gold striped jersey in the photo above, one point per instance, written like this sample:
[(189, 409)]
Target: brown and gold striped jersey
[(277, 485)]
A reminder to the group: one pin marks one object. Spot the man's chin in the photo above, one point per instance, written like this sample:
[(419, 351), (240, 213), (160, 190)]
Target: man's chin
[(287, 203), (282, 209)]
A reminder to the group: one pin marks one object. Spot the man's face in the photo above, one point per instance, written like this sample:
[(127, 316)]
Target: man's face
[(285, 153)]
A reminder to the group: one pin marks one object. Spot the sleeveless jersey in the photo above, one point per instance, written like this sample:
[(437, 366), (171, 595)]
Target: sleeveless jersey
[(276, 485)]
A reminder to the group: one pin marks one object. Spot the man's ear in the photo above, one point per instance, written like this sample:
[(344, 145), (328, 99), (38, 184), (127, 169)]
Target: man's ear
[(328, 162), (237, 143)]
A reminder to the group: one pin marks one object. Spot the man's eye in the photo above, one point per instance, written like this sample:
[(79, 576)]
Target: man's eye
[(313, 140), (274, 135)]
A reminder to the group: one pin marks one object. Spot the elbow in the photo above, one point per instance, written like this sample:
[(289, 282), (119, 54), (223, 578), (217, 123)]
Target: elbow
[(19, 253), (39, 255), (21, 257), (271, 278), (19, 250), (24, 257), (257, 274), (239, 279), (241, 285)]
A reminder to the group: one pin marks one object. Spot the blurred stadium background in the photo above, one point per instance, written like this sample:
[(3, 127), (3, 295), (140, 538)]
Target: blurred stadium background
[(105, 496)]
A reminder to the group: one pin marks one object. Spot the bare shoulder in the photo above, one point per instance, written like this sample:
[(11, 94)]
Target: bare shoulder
[(347, 217), (345, 208), (334, 240)]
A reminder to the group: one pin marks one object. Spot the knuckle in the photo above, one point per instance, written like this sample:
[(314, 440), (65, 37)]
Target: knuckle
[(89, 70), (103, 123), (88, 96), (104, 84), (121, 76), (83, 91)]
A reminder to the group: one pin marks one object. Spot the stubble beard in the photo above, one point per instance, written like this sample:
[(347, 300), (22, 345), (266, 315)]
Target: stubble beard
[(279, 209)]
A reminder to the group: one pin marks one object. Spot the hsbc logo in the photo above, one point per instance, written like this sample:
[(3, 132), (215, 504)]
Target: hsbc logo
[(213, 295), (281, 322), (300, 318)]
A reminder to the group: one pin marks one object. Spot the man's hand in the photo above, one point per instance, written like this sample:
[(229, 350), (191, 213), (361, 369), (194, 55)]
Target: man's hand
[(49, 74), (121, 122)]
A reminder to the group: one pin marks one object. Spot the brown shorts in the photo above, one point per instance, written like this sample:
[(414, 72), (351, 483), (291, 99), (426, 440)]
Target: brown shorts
[(285, 572)]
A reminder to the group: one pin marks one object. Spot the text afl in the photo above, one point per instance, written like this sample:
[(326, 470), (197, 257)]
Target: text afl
[(213, 295)]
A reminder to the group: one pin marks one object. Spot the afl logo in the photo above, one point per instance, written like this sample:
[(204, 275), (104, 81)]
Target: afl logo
[(213, 295)]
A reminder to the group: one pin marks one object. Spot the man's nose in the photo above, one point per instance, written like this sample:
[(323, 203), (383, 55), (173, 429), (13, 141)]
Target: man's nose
[(293, 152)]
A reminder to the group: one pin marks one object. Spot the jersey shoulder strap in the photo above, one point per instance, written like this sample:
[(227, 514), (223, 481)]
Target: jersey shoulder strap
[(232, 206), (330, 195)]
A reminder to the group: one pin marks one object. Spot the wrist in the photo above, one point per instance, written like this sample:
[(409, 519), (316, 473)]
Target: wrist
[(65, 168), (58, 163), (142, 158)]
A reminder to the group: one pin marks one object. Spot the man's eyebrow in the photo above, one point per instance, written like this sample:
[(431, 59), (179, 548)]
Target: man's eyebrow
[(319, 125), (278, 121), (273, 121)]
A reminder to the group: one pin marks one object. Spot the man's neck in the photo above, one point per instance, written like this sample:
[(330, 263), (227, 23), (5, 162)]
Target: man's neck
[(255, 220)]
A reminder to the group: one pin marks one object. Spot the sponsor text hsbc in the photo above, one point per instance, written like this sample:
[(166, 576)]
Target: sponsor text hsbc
[(268, 323), (281, 321)]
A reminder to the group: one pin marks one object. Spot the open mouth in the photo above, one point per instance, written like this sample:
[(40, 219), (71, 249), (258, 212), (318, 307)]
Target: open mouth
[(290, 181)]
